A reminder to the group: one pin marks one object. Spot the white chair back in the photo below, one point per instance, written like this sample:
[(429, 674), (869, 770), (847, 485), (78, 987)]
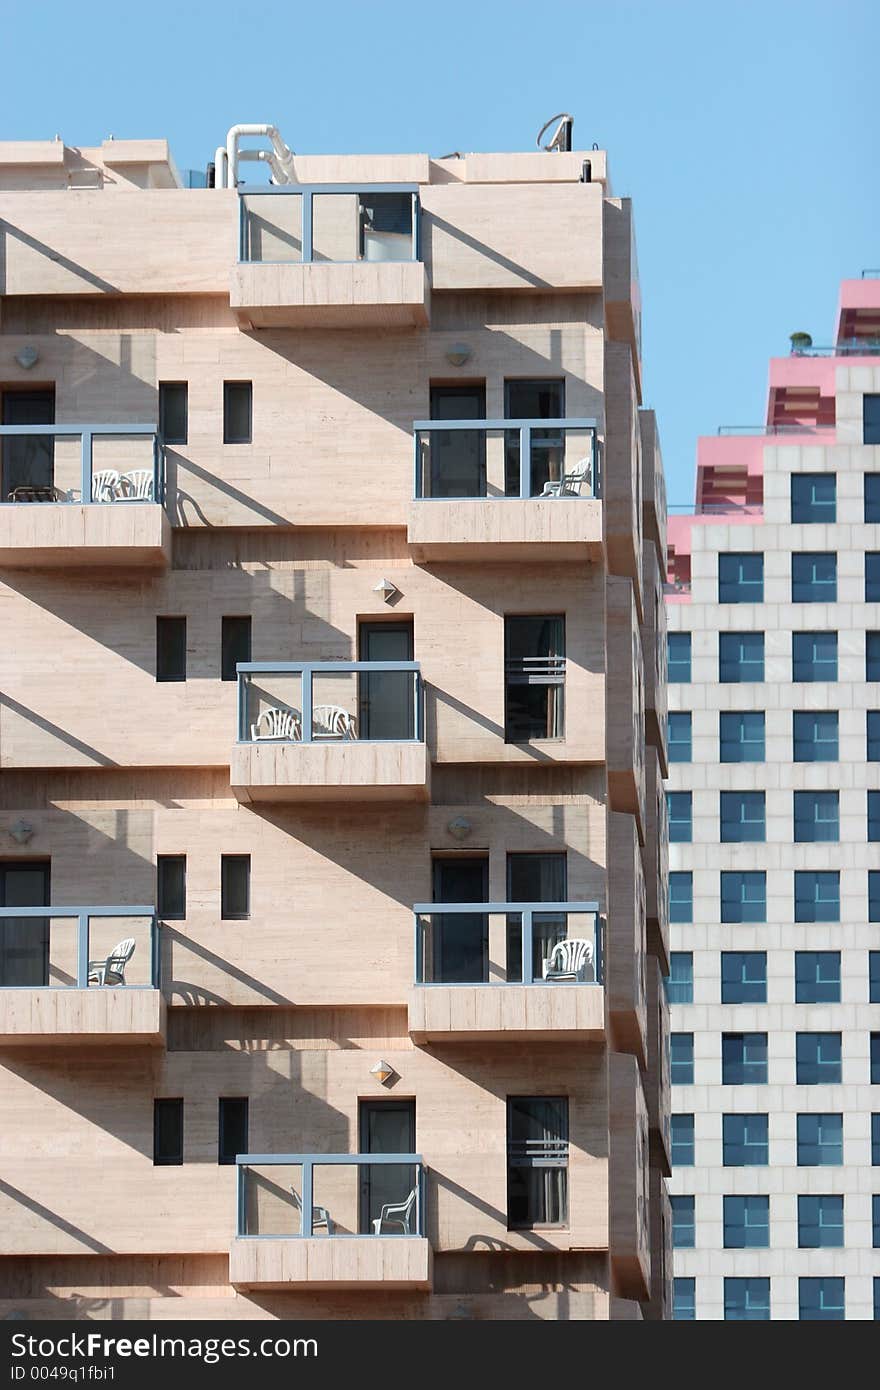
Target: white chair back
[(276, 722), (138, 485), (573, 482), (332, 721), (105, 485), (118, 959), (570, 957)]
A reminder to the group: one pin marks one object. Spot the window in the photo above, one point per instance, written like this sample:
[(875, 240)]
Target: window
[(820, 1223), (877, 1298), (875, 1059), (679, 806), (681, 1052), (744, 1059), (541, 399), (683, 1225), (815, 736), (232, 1128), (821, 1300), (819, 1141), (681, 1128), (534, 678), (742, 736), (743, 977), (872, 656), (171, 887), (744, 1141), (679, 736), (816, 817), (817, 977), (743, 896), (747, 1300), (684, 1300), (816, 895), (872, 577), (873, 816), (875, 1221), (678, 658), (875, 1140), (235, 645), (537, 1161), (818, 1059), (681, 896), (171, 649), (742, 817), (531, 878), (237, 411), (746, 1223), (814, 656), (680, 980), (872, 496), (814, 576), (813, 497), (167, 1131), (873, 976), (235, 886), (873, 726), (173, 412), (871, 419), (740, 578), (740, 657)]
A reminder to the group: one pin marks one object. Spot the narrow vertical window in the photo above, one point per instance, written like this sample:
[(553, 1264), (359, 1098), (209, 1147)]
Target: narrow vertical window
[(237, 412), (235, 887), (171, 649), (537, 1161), (534, 678), (171, 887), (235, 646), (173, 412), (232, 1128), (167, 1131)]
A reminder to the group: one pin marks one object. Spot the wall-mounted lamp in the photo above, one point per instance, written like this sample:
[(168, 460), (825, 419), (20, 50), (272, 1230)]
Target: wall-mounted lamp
[(459, 828), (21, 832), (458, 354), (383, 1071), (27, 357), (386, 589)]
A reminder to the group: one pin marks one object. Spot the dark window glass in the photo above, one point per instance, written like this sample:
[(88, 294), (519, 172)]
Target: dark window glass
[(873, 731), (872, 656), (745, 1141), (871, 419), (816, 895), (681, 896), (235, 645), (820, 1223), (813, 497), (171, 649), (534, 680), (536, 878), (24, 941), (821, 1300), (747, 1300), (679, 808), (537, 1161), (875, 1140), (874, 975), (818, 1059), (740, 578), (814, 576), (167, 1131), (741, 658), (679, 737), (743, 977), (683, 1225), (746, 1223), (875, 1059), (682, 1139), (173, 411), (681, 1054), (232, 1122), (453, 462), (680, 980), (819, 1141), (237, 412), (171, 886), (742, 817), (817, 977), (815, 736), (814, 656), (684, 1300), (678, 658), (872, 576), (816, 817), (235, 886), (28, 460), (534, 400), (742, 736), (744, 1059), (744, 896), (872, 496)]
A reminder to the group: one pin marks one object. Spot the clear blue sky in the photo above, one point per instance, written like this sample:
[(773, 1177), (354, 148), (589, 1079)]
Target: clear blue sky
[(745, 132)]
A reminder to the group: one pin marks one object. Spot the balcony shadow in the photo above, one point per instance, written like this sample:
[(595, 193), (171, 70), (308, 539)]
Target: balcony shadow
[(52, 1217), (50, 254), (431, 222), (63, 735), (197, 994)]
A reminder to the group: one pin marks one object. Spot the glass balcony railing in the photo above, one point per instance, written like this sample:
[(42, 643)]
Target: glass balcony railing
[(340, 223), (506, 458), (292, 1195), (78, 948), (330, 701), (508, 943), (82, 463)]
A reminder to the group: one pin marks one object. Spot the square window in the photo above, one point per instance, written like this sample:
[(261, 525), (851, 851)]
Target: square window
[(818, 1059), (684, 1300), (821, 1300), (873, 731), (872, 656), (740, 658), (683, 1228), (816, 895), (742, 736), (872, 496), (813, 656), (681, 896), (679, 737), (815, 736), (813, 498), (740, 578), (682, 1135), (742, 817), (745, 1141), (678, 658), (816, 817), (743, 896), (820, 1223), (744, 1059), (872, 577), (814, 576), (681, 1052), (819, 1141), (747, 1300), (746, 1223), (678, 805), (680, 980), (743, 977), (817, 977)]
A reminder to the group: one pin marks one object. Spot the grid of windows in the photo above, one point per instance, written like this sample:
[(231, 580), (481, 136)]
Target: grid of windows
[(680, 980), (681, 1129), (813, 656), (815, 736), (678, 658), (746, 1223), (819, 1141), (743, 1059), (816, 895), (818, 1059), (741, 657), (681, 1058), (742, 817), (743, 977), (747, 1300), (740, 578), (678, 736), (816, 817), (814, 576), (679, 807), (683, 1224), (743, 896), (813, 498), (821, 1300), (817, 977), (681, 896), (741, 735), (745, 1142)]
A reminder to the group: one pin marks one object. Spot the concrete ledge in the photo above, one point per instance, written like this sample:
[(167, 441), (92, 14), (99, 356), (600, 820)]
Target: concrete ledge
[(507, 1013), (326, 294), (505, 528), (38, 1017), (55, 535), (330, 771), (331, 1262)]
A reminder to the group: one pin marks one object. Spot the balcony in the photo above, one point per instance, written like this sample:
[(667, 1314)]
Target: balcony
[(83, 495), (507, 972), (330, 1221), (79, 974), (518, 490), (330, 731), (330, 256)]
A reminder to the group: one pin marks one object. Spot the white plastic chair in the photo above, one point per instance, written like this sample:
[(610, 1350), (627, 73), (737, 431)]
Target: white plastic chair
[(332, 721), (397, 1214), (569, 959), (570, 484), (320, 1215), (111, 971), (105, 485), (137, 486), (278, 723)]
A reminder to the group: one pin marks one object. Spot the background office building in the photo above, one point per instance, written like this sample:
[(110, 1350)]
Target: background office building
[(332, 896), (774, 803)]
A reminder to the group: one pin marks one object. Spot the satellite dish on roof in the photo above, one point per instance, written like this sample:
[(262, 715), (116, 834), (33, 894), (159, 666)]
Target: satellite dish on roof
[(561, 137)]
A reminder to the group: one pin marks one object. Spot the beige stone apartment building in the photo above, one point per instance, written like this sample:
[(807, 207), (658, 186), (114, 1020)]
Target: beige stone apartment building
[(332, 720)]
